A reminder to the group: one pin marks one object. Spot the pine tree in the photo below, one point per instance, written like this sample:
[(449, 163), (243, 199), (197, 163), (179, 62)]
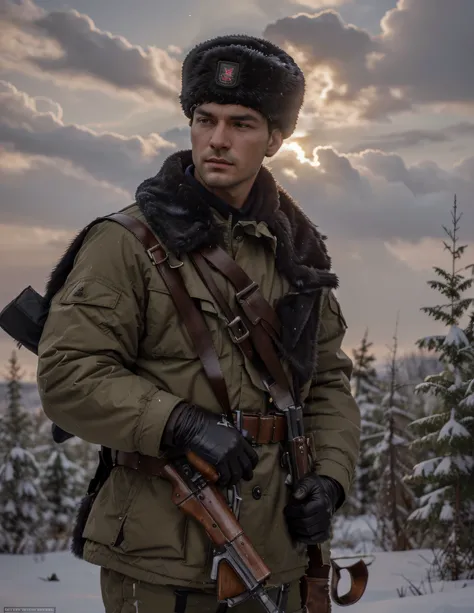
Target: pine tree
[(19, 472), (413, 368), (391, 459), (446, 509), (366, 390), (63, 484)]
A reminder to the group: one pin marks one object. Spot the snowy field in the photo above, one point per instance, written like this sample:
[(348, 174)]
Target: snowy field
[(78, 591)]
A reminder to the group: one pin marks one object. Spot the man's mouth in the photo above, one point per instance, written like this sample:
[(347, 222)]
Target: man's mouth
[(218, 162)]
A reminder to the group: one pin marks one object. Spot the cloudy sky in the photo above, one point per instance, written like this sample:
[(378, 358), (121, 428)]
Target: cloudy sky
[(89, 108)]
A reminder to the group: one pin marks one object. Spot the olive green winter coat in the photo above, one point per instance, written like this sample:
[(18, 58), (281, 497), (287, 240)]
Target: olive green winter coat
[(115, 359)]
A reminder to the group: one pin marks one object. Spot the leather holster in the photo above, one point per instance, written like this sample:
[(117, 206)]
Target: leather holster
[(315, 594)]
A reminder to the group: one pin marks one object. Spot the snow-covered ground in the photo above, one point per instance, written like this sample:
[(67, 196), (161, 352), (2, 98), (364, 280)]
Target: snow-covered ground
[(78, 591)]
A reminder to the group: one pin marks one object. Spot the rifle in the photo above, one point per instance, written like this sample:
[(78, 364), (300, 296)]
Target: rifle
[(239, 570)]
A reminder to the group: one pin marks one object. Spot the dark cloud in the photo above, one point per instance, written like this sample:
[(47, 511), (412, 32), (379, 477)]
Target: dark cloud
[(342, 52), (67, 46), (421, 179), (379, 75), (54, 194), (180, 137), (411, 138), (465, 169), (329, 42), (428, 50), (376, 196), (109, 157)]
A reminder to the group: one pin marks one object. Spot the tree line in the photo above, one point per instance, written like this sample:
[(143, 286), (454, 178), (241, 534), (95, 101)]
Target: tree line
[(415, 475)]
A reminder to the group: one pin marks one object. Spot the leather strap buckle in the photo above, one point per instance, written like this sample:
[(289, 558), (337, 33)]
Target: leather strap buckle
[(250, 289), (241, 332), (151, 251)]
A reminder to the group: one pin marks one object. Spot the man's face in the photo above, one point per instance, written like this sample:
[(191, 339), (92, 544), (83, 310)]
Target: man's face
[(229, 143)]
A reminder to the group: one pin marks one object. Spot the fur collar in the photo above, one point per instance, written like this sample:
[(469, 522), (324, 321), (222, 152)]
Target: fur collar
[(183, 220)]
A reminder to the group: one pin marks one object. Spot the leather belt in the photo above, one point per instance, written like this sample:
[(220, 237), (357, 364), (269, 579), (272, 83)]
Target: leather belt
[(262, 429), (150, 465)]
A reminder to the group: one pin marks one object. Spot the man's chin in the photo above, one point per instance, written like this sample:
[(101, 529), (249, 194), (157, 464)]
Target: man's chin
[(217, 179)]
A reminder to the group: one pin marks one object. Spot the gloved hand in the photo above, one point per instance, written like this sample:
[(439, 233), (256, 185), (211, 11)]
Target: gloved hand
[(309, 512), (214, 439)]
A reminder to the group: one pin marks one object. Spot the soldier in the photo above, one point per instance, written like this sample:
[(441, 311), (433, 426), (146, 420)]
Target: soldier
[(118, 368)]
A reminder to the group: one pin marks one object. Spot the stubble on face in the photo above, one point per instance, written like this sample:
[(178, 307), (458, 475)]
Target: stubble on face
[(229, 144)]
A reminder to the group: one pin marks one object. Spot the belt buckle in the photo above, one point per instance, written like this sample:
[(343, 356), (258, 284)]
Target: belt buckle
[(238, 419), (239, 424), (237, 321)]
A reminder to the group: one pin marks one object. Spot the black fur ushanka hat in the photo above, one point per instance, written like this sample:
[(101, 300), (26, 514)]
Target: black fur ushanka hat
[(245, 70)]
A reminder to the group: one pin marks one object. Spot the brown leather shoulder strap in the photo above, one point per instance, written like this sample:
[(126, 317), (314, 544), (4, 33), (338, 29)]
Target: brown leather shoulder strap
[(192, 317), (256, 313), (137, 227), (238, 330), (248, 294)]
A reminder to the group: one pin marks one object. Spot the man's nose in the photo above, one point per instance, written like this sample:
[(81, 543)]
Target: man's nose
[(220, 137)]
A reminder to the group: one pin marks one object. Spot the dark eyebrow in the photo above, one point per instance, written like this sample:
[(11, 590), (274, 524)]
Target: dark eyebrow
[(232, 117), (243, 118)]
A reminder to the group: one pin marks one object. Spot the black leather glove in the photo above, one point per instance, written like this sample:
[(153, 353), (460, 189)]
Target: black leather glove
[(310, 510), (214, 439)]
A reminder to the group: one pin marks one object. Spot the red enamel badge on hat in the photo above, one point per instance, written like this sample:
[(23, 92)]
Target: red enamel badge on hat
[(227, 74)]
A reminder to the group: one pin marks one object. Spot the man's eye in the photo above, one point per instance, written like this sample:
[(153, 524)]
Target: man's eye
[(203, 120), (239, 124)]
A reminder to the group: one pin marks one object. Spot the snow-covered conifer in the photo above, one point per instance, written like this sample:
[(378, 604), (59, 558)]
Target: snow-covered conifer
[(366, 390), (63, 484), (391, 458), (446, 509), (20, 497)]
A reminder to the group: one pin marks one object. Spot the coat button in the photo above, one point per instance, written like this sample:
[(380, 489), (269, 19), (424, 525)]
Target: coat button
[(257, 492), (238, 234)]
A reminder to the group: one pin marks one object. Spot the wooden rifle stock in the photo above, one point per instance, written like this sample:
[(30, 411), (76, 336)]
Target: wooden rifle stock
[(194, 492)]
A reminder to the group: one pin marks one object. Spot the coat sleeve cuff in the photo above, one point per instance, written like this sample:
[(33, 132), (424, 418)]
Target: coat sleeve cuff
[(330, 468), (156, 413)]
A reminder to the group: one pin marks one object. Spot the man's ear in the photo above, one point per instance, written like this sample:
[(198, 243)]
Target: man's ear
[(274, 143)]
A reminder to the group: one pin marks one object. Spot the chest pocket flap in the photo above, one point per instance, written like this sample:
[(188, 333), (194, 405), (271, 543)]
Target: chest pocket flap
[(167, 333)]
